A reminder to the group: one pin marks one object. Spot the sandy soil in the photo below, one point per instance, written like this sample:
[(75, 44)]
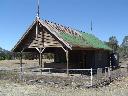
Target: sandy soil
[(117, 88), (10, 88)]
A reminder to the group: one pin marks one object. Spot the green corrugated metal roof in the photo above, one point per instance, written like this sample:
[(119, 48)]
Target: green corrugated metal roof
[(84, 40)]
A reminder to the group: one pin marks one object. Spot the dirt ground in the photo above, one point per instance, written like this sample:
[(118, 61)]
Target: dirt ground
[(10, 88), (117, 88)]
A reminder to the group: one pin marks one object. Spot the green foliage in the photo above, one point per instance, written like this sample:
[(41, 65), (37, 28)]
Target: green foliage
[(125, 42), (113, 43), (5, 55), (123, 50)]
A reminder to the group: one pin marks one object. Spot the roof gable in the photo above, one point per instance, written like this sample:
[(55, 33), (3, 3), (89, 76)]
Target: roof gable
[(68, 36)]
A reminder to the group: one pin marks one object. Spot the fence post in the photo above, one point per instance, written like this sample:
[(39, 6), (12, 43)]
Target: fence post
[(109, 74), (127, 69), (91, 76), (106, 71), (21, 67)]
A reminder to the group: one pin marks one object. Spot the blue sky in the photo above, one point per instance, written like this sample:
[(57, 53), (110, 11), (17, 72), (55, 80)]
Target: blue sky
[(109, 17)]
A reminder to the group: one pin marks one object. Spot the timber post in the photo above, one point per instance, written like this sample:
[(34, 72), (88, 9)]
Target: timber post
[(91, 77), (109, 74), (127, 69), (40, 50), (21, 67), (39, 59), (67, 59)]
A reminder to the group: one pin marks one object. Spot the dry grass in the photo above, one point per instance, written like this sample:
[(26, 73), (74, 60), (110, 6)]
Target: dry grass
[(10, 88), (15, 64), (117, 88)]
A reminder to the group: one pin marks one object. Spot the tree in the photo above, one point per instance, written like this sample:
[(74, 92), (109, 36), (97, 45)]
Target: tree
[(4, 54), (123, 50), (125, 42), (113, 43)]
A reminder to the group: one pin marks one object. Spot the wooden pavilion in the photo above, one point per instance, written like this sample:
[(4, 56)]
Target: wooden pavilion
[(74, 48)]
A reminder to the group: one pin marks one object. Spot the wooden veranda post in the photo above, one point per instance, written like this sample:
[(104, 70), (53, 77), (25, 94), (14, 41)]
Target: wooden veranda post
[(67, 59), (21, 67), (40, 50), (40, 59)]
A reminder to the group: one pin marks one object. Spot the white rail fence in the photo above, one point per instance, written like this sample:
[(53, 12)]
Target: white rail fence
[(94, 76)]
